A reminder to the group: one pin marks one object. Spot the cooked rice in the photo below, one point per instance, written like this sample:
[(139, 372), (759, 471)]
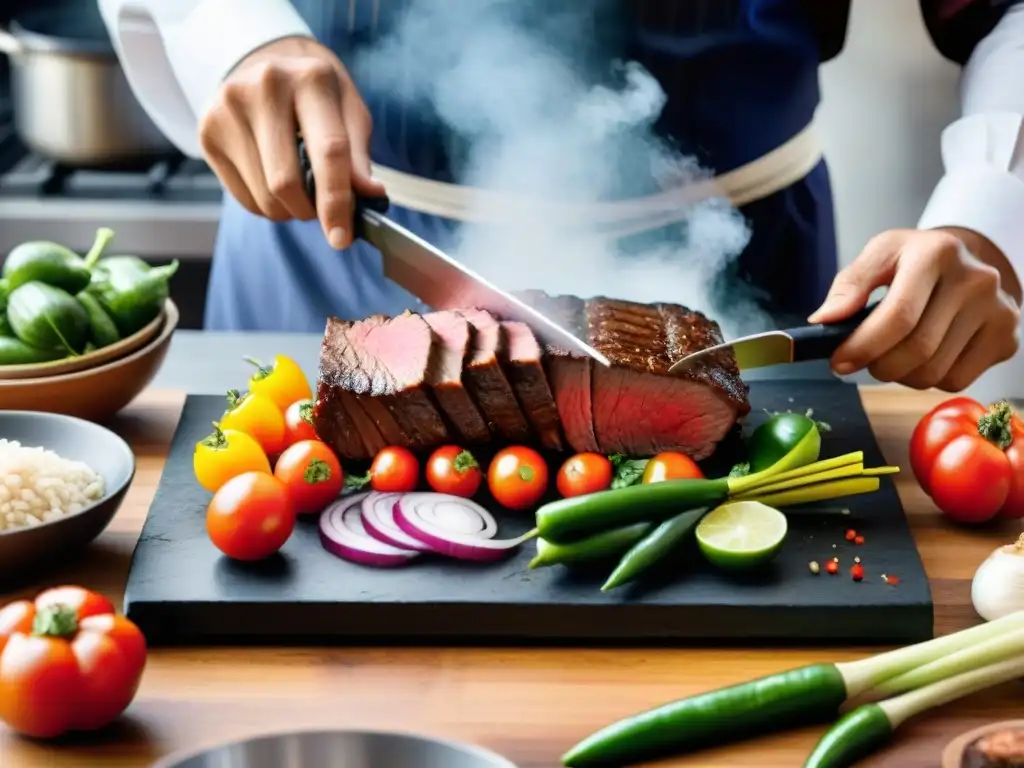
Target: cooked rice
[(37, 485)]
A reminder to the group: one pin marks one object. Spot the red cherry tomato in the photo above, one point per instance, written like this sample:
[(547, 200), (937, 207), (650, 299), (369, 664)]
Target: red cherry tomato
[(68, 662), (454, 471), (671, 465), (394, 470), (517, 477), (251, 516), (584, 473), (312, 474), (970, 460), (298, 422)]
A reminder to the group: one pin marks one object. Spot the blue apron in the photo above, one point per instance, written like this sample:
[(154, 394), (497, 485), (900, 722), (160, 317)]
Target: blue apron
[(741, 77)]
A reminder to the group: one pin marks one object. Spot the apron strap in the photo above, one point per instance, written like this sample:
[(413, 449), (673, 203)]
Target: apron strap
[(760, 178)]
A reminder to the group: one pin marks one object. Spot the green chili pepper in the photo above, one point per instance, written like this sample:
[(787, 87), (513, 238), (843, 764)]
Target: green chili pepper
[(16, 352), (662, 541), (102, 330), (854, 736), (803, 696), (46, 317), (53, 264), (131, 297), (596, 548), (577, 517)]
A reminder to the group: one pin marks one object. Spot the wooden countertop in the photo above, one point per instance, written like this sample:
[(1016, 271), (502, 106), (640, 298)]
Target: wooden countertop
[(528, 704)]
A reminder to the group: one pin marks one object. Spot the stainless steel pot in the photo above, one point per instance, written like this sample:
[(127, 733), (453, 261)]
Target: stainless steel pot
[(72, 102), (331, 749)]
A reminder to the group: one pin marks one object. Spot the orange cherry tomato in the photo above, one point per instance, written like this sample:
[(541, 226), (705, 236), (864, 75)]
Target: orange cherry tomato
[(517, 477), (298, 422), (68, 662), (312, 474), (250, 517), (282, 381), (671, 465), (226, 454), (258, 416), (970, 460), (394, 470), (584, 473), (455, 471)]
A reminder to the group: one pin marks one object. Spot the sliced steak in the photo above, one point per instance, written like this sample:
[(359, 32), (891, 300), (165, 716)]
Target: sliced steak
[(455, 336), (640, 410), (386, 364), (568, 374), (486, 381), (338, 418), (526, 373)]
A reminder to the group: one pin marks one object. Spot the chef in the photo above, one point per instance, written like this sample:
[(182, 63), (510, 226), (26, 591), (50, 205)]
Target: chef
[(234, 81)]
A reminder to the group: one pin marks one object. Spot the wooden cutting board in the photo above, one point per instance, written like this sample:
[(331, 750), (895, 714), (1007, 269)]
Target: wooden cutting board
[(181, 590)]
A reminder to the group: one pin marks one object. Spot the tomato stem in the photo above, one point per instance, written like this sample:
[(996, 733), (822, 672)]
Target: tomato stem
[(357, 481), (526, 473), (262, 371), (306, 413), (318, 471), (217, 440), (464, 462), (994, 426), (55, 621)]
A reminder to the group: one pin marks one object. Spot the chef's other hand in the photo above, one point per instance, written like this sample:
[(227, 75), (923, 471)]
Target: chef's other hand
[(952, 310), (291, 86)]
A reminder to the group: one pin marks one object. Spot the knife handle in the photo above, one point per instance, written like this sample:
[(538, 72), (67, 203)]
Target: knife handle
[(363, 203), (819, 342)]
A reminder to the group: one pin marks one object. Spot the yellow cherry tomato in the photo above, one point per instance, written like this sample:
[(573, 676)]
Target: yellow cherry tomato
[(226, 454), (258, 416), (282, 381)]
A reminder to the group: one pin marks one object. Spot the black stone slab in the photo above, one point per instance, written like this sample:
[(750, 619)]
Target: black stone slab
[(181, 590)]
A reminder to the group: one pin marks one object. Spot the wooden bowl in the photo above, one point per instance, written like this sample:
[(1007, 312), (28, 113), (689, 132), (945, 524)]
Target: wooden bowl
[(90, 360), (96, 393), (28, 552), (953, 754)]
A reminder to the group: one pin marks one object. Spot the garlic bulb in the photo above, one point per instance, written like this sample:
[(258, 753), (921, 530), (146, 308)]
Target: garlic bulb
[(998, 586)]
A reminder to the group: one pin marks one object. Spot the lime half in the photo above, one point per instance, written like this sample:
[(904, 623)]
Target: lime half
[(741, 534)]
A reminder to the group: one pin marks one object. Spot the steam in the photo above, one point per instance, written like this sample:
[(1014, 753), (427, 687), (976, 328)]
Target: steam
[(524, 88)]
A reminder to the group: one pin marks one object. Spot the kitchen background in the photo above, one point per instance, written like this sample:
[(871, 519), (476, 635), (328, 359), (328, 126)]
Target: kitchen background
[(886, 100)]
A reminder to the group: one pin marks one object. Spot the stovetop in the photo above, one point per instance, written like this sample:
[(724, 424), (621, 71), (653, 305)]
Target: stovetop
[(25, 175), (169, 207)]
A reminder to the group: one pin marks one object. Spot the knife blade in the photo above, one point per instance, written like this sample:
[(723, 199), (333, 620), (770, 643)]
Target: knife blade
[(795, 345), (438, 280)]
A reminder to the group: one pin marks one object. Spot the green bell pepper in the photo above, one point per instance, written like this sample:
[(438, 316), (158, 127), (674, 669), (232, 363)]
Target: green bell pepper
[(53, 264), (46, 317), (132, 296)]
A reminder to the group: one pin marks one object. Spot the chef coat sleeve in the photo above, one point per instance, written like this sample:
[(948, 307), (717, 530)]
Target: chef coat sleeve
[(175, 53), (983, 151)]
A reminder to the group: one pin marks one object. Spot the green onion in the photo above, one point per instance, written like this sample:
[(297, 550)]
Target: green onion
[(793, 698), (863, 730)]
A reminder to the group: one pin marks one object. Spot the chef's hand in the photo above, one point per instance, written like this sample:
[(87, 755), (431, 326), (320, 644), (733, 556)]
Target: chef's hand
[(952, 310), (293, 85)]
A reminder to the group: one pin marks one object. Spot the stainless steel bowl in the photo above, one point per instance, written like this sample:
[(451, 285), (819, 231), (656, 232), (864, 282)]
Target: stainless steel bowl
[(338, 749)]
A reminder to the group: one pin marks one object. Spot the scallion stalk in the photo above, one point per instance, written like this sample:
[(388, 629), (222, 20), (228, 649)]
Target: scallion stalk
[(865, 729), (748, 483), (983, 654), (805, 494)]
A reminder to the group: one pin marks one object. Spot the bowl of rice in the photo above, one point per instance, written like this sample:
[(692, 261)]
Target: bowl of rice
[(62, 480)]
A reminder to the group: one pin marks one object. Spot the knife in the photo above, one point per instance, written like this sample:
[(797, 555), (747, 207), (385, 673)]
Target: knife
[(796, 345), (438, 280)]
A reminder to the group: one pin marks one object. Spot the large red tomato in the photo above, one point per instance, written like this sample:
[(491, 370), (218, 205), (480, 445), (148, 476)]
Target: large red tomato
[(68, 662), (970, 460)]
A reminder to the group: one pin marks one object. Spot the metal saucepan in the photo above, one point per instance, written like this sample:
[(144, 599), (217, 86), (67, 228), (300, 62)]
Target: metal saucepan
[(332, 749), (72, 102)]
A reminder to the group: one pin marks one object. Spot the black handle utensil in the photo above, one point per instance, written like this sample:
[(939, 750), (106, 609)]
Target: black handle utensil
[(379, 204), (820, 341)]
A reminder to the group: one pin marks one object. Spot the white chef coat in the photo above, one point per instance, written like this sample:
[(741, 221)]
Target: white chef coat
[(176, 53)]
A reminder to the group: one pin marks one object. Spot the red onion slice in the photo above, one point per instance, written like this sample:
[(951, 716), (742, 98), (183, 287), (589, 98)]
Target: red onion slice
[(378, 514), (453, 526), (343, 535)]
